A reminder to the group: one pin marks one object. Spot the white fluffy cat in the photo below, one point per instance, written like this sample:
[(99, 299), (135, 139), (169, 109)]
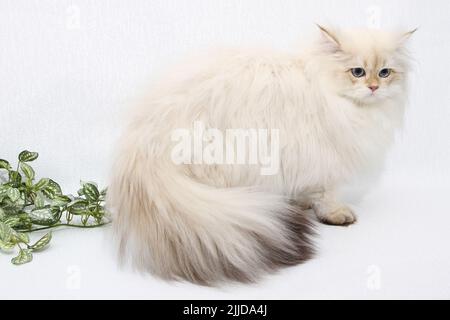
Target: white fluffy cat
[(336, 106)]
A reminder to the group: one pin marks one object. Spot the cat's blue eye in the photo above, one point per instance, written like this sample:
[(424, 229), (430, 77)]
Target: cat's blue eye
[(358, 72), (384, 73)]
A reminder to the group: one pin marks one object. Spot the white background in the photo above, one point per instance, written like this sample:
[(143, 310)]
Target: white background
[(69, 69)]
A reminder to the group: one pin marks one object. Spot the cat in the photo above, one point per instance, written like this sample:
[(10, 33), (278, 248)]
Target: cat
[(336, 105)]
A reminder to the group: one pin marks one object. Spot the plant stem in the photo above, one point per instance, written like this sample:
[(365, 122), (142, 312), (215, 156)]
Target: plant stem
[(66, 225)]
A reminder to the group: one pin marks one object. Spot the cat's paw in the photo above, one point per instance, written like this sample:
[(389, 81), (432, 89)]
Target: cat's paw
[(341, 217)]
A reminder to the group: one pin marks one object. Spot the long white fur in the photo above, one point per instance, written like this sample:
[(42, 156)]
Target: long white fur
[(183, 222)]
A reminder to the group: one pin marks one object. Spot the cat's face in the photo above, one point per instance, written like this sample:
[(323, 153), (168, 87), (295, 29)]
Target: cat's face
[(368, 66)]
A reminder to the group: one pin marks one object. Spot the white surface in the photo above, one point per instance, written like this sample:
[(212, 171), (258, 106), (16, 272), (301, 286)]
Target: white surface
[(70, 68)]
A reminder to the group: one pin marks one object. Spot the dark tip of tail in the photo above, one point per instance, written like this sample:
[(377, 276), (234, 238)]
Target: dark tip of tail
[(301, 230)]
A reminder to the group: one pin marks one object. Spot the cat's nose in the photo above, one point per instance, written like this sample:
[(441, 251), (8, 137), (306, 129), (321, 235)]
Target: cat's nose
[(373, 87)]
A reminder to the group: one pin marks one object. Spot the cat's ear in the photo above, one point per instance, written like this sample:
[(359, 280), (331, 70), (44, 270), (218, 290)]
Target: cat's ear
[(330, 38)]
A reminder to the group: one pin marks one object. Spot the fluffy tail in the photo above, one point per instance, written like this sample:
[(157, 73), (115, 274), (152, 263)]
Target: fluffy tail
[(177, 228)]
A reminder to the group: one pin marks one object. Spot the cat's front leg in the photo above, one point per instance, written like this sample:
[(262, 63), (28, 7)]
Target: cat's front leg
[(331, 211)]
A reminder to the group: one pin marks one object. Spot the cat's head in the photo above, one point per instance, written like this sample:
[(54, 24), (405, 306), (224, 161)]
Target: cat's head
[(366, 66)]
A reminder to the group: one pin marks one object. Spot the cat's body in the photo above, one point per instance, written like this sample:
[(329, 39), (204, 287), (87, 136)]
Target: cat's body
[(209, 223)]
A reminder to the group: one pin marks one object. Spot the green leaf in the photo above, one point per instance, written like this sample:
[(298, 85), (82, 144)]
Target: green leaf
[(3, 190), (61, 200), (42, 242), (93, 207), (29, 184), (24, 256), (43, 216), (39, 200), (20, 237), (27, 171), (6, 246), (13, 194), (2, 214), (78, 207), (55, 186), (21, 201), (24, 223), (99, 215), (12, 221), (52, 189), (15, 177), (28, 156), (91, 191), (4, 164), (10, 208), (5, 232), (56, 211), (41, 184)]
